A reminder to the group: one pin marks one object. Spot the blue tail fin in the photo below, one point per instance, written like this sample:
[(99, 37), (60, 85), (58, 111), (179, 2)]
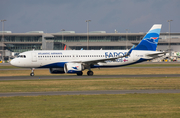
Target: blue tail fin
[(150, 41)]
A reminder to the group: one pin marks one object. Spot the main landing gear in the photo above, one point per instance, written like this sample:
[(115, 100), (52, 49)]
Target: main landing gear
[(90, 73), (32, 72)]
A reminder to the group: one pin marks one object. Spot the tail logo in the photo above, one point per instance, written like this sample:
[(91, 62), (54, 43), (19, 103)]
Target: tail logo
[(152, 40)]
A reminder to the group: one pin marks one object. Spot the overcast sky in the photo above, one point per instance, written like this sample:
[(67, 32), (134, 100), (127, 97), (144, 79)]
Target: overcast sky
[(106, 15)]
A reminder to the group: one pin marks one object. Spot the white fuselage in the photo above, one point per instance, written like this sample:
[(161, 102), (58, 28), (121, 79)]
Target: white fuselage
[(57, 59)]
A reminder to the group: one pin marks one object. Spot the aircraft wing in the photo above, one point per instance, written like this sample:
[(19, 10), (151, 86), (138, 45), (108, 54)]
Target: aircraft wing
[(102, 60), (95, 61), (109, 59)]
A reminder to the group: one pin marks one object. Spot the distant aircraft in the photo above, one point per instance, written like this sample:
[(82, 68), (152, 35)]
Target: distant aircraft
[(75, 61)]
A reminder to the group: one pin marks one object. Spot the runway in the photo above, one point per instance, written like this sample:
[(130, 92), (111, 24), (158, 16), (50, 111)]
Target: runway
[(88, 92), (83, 77)]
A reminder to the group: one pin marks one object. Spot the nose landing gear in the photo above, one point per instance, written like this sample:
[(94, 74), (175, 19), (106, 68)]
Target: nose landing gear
[(32, 72)]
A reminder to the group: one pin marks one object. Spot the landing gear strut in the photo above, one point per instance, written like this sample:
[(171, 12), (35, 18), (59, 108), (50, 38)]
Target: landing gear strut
[(32, 72), (89, 73)]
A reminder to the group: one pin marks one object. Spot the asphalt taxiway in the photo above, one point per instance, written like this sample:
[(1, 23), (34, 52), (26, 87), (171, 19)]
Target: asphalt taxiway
[(84, 76), (88, 92)]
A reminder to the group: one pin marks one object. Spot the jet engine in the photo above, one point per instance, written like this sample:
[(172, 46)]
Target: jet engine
[(73, 67), (56, 70)]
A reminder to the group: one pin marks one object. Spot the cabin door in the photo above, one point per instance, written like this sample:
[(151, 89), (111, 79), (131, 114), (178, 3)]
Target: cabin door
[(34, 57)]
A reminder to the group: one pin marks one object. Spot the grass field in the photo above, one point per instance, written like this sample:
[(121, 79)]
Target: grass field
[(172, 68), (89, 84), (104, 71), (92, 106)]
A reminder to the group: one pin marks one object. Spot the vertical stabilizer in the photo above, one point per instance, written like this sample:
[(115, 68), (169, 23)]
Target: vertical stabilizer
[(150, 40)]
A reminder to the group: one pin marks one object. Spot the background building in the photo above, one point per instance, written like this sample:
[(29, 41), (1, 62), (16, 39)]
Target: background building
[(38, 40)]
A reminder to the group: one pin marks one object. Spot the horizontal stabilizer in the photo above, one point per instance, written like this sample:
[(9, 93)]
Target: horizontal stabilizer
[(156, 55)]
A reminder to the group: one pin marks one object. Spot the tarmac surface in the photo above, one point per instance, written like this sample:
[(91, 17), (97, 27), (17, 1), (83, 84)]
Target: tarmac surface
[(83, 77), (88, 92)]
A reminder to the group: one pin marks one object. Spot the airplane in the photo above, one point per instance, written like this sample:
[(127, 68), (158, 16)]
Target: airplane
[(76, 61)]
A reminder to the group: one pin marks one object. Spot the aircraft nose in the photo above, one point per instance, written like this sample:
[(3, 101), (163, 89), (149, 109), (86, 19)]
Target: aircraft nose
[(12, 62)]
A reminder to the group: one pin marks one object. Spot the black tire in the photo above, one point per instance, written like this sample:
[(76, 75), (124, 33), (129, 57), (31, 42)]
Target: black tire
[(79, 73), (90, 73), (31, 74)]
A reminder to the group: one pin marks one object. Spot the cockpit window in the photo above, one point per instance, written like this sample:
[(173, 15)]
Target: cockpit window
[(21, 56)]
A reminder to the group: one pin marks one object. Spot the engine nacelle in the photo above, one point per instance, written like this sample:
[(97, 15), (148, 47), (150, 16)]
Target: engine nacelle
[(56, 70), (73, 67)]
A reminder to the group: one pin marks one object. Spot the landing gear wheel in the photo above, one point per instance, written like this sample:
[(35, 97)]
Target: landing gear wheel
[(79, 73), (90, 73), (31, 74)]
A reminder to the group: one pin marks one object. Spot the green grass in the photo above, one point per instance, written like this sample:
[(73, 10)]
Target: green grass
[(8, 67), (90, 84), (92, 106), (104, 71)]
